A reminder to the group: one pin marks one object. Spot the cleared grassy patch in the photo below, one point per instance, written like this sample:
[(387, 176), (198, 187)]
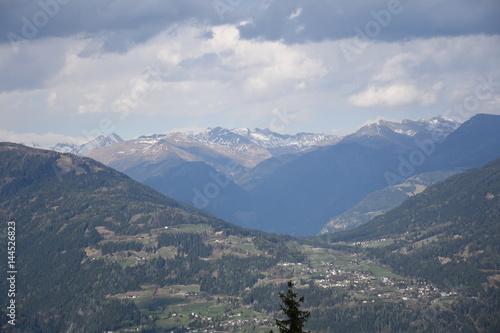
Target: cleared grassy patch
[(190, 228), (381, 243), (167, 252), (426, 241), (158, 303), (172, 322), (192, 288), (126, 262), (378, 271)]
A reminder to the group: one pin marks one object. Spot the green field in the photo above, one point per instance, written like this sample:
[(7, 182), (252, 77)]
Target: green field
[(190, 228)]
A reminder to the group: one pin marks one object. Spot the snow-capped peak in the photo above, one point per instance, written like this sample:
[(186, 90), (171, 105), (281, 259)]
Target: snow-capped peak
[(411, 127), (99, 142), (263, 138)]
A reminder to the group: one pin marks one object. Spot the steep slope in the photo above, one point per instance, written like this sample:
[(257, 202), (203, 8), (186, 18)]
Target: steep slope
[(473, 144), (254, 177), (85, 232), (448, 234), (384, 200), (301, 196), (200, 185)]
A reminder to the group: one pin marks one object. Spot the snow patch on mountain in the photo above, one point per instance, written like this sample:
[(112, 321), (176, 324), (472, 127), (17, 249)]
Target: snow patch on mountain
[(411, 128), (83, 150), (99, 142), (274, 142)]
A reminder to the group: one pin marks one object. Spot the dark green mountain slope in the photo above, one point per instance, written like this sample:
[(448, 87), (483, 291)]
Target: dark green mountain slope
[(448, 235), (73, 216), (96, 251), (467, 204)]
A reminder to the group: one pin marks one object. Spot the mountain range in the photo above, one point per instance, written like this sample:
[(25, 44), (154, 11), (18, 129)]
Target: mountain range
[(296, 184), (96, 251), (81, 150)]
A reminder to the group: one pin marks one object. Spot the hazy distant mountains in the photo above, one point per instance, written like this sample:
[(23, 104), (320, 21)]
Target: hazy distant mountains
[(297, 183), (215, 146), (379, 202), (82, 150)]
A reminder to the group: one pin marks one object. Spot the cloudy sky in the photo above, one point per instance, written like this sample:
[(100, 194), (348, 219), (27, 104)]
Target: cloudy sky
[(71, 70)]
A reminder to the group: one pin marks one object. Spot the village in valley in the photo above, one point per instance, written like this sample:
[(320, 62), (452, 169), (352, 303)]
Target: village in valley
[(362, 280)]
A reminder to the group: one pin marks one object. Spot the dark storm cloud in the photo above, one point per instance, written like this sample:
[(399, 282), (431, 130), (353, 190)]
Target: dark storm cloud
[(125, 22), (129, 22), (396, 20)]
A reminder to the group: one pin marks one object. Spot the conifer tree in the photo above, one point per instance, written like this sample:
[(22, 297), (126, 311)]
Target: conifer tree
[(291, 308)]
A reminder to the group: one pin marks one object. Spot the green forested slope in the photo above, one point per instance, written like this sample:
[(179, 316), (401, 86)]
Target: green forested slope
[(58, 203), (96, 251), (448, 235)]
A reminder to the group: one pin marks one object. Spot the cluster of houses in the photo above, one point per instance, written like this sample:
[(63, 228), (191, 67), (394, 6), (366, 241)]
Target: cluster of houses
[(365, 283)]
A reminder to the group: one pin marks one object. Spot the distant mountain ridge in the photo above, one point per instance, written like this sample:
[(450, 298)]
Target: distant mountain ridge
[(99, 142), (274, 142), (304, 194), (297, 183), (82, 150), (412, 128), (276, 183)]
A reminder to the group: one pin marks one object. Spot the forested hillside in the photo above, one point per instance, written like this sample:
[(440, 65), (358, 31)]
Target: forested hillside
[(96, 251), (65, 208), (448, 235)]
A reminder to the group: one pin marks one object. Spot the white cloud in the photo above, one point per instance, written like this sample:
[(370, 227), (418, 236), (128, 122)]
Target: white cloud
[(52, 99), (394, 95), (44, 140), (209, 76), (295, 14), (397, 67)]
